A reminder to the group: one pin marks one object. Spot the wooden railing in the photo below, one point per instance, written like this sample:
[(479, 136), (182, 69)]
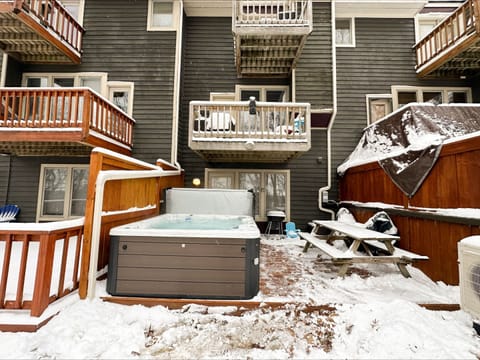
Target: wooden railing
[(272, 13), (39, 263), (267, 121), (52, 15), (461, 23), (53, 108)]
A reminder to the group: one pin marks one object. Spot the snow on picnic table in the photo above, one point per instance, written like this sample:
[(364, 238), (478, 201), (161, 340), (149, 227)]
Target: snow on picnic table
[(372, 313)]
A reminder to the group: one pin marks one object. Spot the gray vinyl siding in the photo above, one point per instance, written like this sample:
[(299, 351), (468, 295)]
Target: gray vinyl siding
[(4, 175), (314, 69), (208, 66), (25, 179), (382, 57), (116, 41)]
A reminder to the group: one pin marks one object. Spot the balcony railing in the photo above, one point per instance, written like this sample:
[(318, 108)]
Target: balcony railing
[(42, 110), (280, 13), (451, 37), (39, 263), (245, 127), (44, 31)]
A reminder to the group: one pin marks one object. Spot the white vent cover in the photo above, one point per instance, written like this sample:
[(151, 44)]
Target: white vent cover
[(469, 269)]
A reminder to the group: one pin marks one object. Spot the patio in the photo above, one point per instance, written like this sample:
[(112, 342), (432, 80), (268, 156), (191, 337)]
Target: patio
[(290, 276)]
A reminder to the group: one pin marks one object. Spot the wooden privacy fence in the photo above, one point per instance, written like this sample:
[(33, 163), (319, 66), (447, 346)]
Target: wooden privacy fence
[(38, 265), (41, 263), (452, 183), (124, 201), (64, 108)]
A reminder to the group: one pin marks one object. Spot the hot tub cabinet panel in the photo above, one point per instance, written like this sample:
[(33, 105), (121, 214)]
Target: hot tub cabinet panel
[(183, 267)]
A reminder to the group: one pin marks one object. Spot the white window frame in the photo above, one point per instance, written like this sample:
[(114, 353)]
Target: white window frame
[(68, 192), (419, 90), (175, 16), (122, 86), (235, 174), (386, 98), (263, 91), (352, 32), (76, 78), (431, 18), (81, 8), (222, 96)]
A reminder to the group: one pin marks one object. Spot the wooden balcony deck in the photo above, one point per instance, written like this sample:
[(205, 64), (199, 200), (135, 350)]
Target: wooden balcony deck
[(270, 35), (452, 48), (227, 132), (39, 31), (61, 121)]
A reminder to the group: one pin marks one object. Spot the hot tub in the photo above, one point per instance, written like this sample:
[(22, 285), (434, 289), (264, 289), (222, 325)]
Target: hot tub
[(185, 256)]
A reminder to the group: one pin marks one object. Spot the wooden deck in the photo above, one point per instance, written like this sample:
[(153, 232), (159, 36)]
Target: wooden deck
[(269, 35), (222, 131), (281, 277), (452, 48), (61, 121), (40, 31)]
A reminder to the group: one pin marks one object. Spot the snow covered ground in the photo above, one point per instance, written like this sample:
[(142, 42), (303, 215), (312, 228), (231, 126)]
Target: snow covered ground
[(373, 313)]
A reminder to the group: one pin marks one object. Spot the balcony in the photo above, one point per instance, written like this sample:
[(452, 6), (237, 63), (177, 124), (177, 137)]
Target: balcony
[(246, 132), (269, 35), (61, 122), (452, 48), (39, 31)]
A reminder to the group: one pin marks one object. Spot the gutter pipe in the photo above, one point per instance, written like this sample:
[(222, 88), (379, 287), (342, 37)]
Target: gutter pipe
[(102, 178), (176, 86), (324, 190)]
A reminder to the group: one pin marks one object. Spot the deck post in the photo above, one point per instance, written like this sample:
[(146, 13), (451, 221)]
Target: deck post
[(43, 277)]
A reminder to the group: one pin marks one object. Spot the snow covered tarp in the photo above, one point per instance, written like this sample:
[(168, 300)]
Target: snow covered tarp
[(407, 142)]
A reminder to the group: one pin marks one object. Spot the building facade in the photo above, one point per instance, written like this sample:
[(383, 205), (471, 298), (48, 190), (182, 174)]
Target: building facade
[(175, 80)]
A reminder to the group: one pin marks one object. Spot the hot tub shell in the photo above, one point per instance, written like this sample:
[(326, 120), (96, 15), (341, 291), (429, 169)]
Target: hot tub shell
[(214, 264)]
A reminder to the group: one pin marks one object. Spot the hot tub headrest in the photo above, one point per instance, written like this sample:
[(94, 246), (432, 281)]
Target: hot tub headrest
[(210, 201)]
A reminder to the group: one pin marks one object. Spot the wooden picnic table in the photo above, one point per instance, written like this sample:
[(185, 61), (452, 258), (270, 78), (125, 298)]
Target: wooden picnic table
[(364, 245)]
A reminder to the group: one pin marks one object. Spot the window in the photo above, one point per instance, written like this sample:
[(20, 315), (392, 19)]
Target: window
[(345, 32), (95, 81), (162, 15), (273, 93), (121, 94), (402, 95), (219, 96), (424, 24), (62, 192), (378, 106), (75, 8), (271, 187)]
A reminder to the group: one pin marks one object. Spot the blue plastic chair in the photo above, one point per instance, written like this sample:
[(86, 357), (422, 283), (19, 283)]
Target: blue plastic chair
[(8, 213), (291, 230)]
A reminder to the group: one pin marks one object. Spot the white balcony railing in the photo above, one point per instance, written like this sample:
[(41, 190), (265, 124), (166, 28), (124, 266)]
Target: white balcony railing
[(262, 121), (272, 13)]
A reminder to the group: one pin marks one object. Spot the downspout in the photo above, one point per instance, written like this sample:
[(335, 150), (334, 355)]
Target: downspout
[(3, 73), (176, 85), (102, 178), (324, 190)]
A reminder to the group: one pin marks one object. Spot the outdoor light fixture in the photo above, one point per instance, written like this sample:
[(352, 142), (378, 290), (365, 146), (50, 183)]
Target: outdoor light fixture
[(196, 182)]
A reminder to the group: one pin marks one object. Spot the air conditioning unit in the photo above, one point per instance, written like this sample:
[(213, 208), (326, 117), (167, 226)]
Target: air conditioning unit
[(469, 270)]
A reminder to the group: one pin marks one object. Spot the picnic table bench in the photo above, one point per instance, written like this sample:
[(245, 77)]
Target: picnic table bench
[(376, 247)]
